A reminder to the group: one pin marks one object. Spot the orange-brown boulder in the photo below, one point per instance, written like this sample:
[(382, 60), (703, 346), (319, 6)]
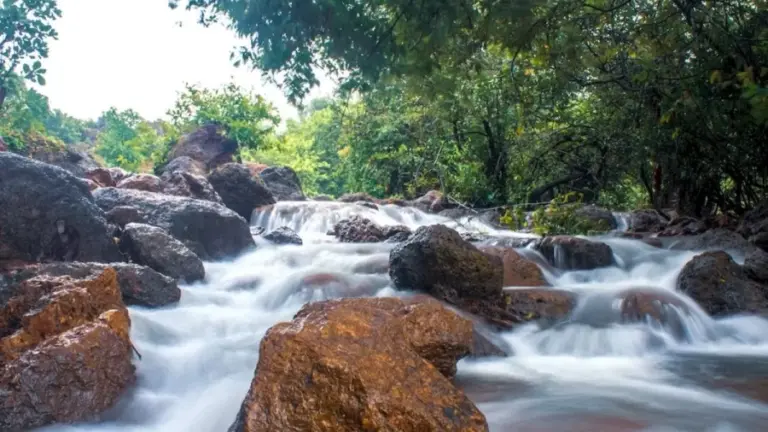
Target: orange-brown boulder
[(362, 365), (142, 182), (540, 303), (518, 271), (65, 352), (101, 176)]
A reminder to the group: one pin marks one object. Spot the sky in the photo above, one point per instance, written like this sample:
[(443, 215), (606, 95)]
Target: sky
[(133, 54)]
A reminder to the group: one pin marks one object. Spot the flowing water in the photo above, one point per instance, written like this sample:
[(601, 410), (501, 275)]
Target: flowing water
[(591, 373)]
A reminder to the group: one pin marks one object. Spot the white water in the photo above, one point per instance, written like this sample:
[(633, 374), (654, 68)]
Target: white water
[(592, 373)]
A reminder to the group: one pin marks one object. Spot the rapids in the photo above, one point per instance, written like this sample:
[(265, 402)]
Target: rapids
[(591, 373)]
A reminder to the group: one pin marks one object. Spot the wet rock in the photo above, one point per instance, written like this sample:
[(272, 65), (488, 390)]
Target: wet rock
[(643, 304), (715, 239), (392, 201), (356, 197), (189, 185), (240, 191), (374, 264), (436, 260), (598, 216), (377, 361), (324, 198), (48, 214), (756, 264), (65, 352), (187, 165), (283, 236), (644, 237), (361, 230), (123, 215), (540, 304), (142, 182), (283, 183), (721, 286), (646, 221), (760, 240), (155, 248), (210, 230), (484, 345), (683, 226), (100, 176), (432, 202), (208, 145), (398, 237), (573, 253), (367, 204), (518, 271), (139, 285), (754, 226)]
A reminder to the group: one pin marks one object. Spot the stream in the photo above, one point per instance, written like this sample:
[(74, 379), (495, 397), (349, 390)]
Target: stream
[(591, 373)]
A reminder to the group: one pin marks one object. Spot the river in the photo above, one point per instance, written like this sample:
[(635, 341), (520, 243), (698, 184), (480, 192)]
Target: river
[(591, 373)]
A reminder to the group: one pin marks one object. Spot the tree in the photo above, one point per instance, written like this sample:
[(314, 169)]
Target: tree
[(26, 27), (130, 142)]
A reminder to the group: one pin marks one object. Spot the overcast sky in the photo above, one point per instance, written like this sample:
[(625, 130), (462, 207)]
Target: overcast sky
[(133, 54)]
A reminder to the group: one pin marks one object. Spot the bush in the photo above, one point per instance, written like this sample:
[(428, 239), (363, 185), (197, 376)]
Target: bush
[(559, 217)]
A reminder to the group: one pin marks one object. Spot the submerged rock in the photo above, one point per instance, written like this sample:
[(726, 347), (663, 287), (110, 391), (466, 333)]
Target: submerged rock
[(721, 286), (154, 247), (210, 230), (240, 190), (283, 183), (48, 214), (283, 236), (573, 253), (362, 364), (65, 352), (540, 304)]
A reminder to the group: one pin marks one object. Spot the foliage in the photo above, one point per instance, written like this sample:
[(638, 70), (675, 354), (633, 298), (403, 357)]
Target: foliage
[(130, 142), (559, 217), (26, 28)]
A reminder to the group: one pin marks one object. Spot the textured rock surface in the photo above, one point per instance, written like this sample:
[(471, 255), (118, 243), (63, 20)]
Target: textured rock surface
[(101, 176), (65, 352), (714, 239), (518, 271), (239, 189), (361, 230), (123, 215), (362, 364), (283, 183), (646, 221), (189, 185), (355, 197), (536, 304), (573, 253), (48, 214), (683, 226), (210, 230), (432, 202), (186, 164), (283, 236), (208, 145), (721, 286), (155, 248), (142, 182), (754, 225)]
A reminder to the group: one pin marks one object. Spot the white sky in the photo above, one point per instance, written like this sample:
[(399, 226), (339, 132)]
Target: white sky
[(133, 54)]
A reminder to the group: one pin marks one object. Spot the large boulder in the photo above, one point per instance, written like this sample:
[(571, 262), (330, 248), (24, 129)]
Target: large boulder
[(518, 271), (154, 247), (210, 230), (139, 285), (683, 226), (239, 189), (208, 145), (190, 185), (573, 253), (283, 236), (362, 364), (142, 182), (714, 239), (283, 183), (646, 220), (597, 216), (721, 286), (357, 229), (48, 214), (186, 164), (65, 352), (78, 163)]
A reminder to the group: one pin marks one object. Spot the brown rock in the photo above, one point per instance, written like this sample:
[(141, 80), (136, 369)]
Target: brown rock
[(65, 352), (3, 145), (518, 271), (101, 176), (208, 145), (362, 230), (573, 253), (92, 185), (118, 174), (432, 202), (142, 182), (362, 364), (540, 303)]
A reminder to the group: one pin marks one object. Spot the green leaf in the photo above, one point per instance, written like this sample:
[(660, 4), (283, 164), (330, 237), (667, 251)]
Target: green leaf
[(36, 65), (40, 80)]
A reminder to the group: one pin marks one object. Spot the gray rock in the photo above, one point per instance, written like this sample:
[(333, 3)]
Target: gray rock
[(714, 239), (210, 230), (186, 164), (283, 236), (646, 221), (283, 183), (49, 214), (142, 182), (154, 247), (123, 215), (239, 190), (208, 145), (190, 185), (573, 253)]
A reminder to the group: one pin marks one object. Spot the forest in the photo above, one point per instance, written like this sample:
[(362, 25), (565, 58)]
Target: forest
[(623, 103)]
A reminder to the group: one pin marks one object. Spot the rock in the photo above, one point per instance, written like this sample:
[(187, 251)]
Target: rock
[(643, 237), (322, 198), (362, 364), (392, 201), (641, 304), (756, 264), (683, 226), (239, 190), (598, 216), (155, 248), (715, 239), (210, 230), (92, 185), (123, 215), (255, 168), (646, 221), (361, 230), (142, 182), (760, 240), (518, 271), (139, 286), (3, 145), (101, 176), (283, 236), (48, 214), (435, 259), (283, 183), (398, 237), (77, 163), (367, 204), (573, 253), (65, 352), (208, 145), (432, 202), (721, 286), (754, 226), (540, 304), (356, 197), (189, 185), (118, 174), (186, 164)]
